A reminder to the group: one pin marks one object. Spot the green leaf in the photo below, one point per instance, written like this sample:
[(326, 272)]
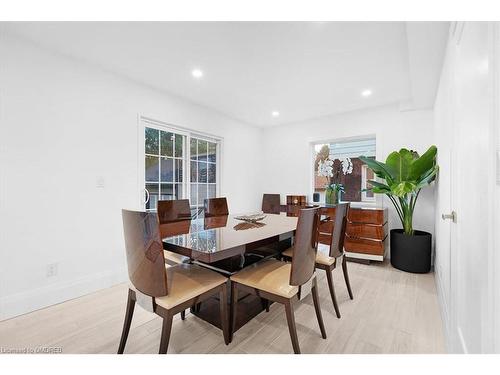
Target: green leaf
[(379, 190), (426, 180), (400, 162), (378, 185), (380, 169), (424, 164), (403, 188)]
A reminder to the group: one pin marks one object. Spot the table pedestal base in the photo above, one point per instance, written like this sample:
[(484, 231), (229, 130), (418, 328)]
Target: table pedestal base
[(249, 306)]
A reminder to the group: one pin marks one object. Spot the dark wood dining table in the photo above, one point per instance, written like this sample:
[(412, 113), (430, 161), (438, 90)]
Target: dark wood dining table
[(227, 245)]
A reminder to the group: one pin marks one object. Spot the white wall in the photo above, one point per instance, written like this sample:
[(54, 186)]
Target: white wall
[(63, 124), (287, 151)]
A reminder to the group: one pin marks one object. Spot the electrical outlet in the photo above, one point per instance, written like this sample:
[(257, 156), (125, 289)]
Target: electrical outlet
[(52, 269), (99, 183)]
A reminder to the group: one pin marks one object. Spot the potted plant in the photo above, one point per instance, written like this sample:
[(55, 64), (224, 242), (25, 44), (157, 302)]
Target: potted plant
[(326, 168), (405, 173)]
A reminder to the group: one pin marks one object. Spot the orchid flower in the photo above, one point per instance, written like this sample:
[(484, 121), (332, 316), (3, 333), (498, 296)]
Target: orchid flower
[(325, 168)]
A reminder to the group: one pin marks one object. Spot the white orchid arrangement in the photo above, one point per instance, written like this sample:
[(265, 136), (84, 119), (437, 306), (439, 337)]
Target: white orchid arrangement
[(326, 169)]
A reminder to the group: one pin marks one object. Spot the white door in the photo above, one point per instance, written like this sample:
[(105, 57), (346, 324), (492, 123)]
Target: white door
[(473, 196), (443, 118), (465, 138)]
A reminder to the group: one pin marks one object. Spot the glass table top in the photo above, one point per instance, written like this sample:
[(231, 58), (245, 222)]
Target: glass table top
[(215, 234)]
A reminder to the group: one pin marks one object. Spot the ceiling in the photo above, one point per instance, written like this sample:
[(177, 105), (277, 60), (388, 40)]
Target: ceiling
[(250, 69)]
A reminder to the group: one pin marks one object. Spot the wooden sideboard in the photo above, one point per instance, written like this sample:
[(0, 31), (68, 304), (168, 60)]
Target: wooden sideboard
[(366, 233)]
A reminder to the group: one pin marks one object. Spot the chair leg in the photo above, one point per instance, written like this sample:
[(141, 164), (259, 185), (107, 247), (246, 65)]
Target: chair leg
[(165, 333), (234, 309), (265, 304), (318, 308), (223, 313), (329, 277), (346, 276), (128, 320), (183, 314), (290, 318)]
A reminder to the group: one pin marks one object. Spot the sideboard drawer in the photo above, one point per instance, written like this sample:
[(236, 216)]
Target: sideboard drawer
[(326, 227), (367, 216), (360, 230), (325, 238), (364, 246), (366, 231)]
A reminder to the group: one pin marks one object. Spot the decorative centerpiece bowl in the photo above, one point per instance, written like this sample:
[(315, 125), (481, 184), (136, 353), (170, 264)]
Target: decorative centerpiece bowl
[(251, 218)]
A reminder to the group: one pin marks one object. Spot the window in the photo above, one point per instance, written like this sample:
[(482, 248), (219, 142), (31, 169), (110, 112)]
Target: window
[(203, 162), (347, 169), (179, 165), (164, 165)]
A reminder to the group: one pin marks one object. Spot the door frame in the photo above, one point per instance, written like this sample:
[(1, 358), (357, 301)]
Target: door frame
[(495, 168)]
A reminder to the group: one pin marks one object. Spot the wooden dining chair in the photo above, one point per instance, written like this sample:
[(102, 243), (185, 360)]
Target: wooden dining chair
[(174, 210), (164, 290), (216, 207), (327, 261), (294, 203), (271, 204), (171, 211), (281, 282)]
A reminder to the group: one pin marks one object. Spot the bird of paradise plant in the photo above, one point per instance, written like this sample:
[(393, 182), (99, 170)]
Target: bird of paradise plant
[(405, 173)]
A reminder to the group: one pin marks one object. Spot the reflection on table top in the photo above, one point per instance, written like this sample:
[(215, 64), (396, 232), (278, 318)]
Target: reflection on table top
[(216, 234)]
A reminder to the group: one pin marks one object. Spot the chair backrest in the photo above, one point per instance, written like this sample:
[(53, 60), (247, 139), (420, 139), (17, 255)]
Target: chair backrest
[(339, 228), (294, 203), (296, 200), (305, 246), (216, 207), (173, 210), (271, 203), (145, 259)]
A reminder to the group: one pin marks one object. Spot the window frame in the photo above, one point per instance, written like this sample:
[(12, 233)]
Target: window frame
[(147, 122), (364, 180)]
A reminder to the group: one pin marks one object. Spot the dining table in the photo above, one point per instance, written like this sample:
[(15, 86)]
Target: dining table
[(226, 245)]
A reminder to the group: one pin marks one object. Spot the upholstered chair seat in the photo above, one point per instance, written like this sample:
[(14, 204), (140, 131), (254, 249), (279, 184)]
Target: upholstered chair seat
[(271, 276), (186, 281), (322, 256)]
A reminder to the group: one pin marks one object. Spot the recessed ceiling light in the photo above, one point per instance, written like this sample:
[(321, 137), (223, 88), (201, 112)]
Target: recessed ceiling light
[(275, 114), (197, 73), (366, 93)]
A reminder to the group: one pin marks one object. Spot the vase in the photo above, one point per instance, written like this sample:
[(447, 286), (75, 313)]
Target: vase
[(411, 253), (331, 196)]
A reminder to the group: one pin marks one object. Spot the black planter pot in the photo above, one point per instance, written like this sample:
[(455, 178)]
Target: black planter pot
[(411, 253)]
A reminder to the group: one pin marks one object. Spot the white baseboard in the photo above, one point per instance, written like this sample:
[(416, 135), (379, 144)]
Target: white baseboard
[(444, 309), (25, 302)]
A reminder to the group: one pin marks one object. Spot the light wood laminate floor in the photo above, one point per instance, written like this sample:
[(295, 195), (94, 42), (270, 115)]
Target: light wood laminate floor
[(392, 312)]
